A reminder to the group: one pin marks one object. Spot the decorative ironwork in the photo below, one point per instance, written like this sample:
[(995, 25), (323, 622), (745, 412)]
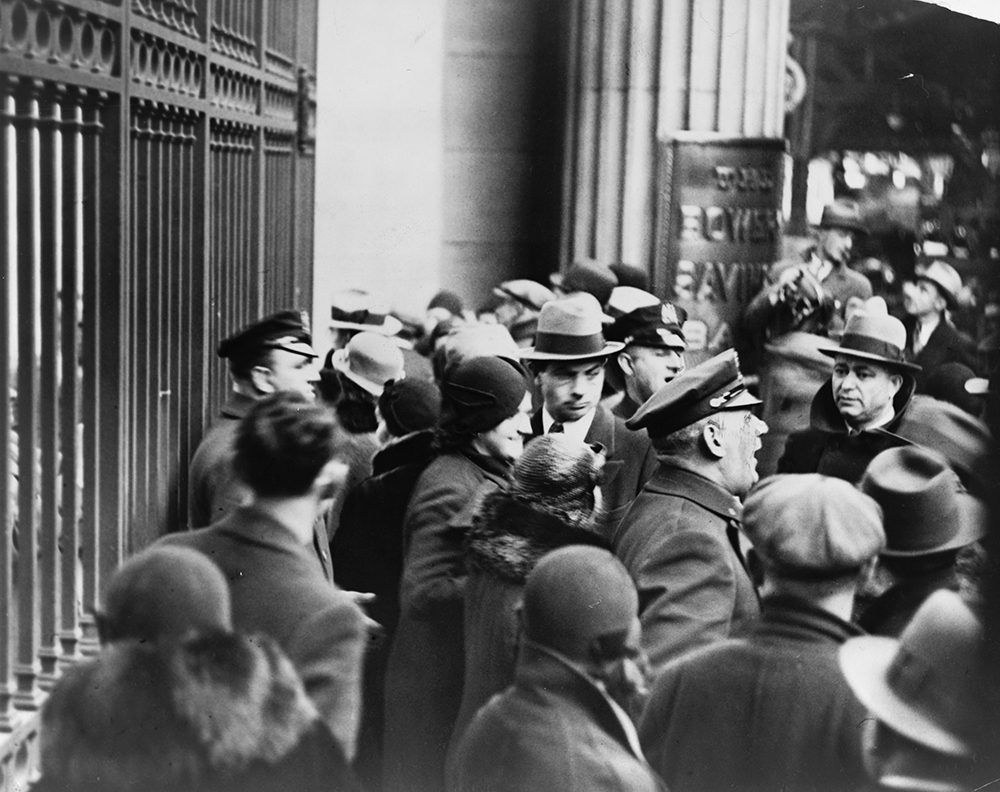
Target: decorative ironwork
[(179, 15), (62, 36), (163, 65), (235, 90)]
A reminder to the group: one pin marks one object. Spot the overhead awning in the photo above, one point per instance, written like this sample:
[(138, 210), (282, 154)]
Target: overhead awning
[(981, 9)]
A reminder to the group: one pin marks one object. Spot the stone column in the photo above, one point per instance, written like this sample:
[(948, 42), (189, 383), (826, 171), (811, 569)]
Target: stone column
[(639, 70)]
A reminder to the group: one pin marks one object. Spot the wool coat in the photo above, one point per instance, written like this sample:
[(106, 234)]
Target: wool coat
[(631, 462), (552, 730), (680, 543), (277, 589), (945, 345), (768, 711), (426, 661), (507, 538), (827, 448), (217, 712), (214, 489)]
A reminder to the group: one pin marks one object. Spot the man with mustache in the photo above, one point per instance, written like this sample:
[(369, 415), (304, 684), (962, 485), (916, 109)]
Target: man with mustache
[(855, 414), (681, 539)]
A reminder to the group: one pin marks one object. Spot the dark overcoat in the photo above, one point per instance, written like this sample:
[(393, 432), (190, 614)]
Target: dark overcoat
[(214, 489), (768, 711), (680, 543), (507, 539), (277, 588), (827, 448), (553, 730), (423, 688), (945, 345), (631, 462)]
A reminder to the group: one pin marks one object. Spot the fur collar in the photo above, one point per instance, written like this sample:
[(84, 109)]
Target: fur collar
[(416, 448), (147, 716), (509, 536)]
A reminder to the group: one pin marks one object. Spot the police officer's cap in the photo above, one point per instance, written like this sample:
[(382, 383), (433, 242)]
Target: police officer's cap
[(652, 326), (287, 330), (711, 387)]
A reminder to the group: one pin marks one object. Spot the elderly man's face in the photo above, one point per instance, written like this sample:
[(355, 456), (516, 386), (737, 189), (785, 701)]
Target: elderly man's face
[(740, 432), (649, 368), (571, 389), (836, 244), (863, 389)]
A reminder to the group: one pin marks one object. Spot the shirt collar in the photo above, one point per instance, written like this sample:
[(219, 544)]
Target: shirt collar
[(576, 429)]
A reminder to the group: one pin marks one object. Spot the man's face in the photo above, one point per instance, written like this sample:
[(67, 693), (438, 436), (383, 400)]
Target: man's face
[(505, 441), (647, 369), (571, 389), (290, 371), (627, 678), (922, 298), (862, 389), (740, 439), (836, 244)]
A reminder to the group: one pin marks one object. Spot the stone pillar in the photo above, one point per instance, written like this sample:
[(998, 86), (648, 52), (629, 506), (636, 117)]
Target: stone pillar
[(639, 70)]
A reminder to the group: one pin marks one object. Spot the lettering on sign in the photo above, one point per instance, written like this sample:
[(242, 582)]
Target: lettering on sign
[(748, 179), (718, 281), (729, 224)]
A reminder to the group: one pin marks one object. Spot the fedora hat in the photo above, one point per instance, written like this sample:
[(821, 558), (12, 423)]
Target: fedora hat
[(369, 361), (925, 508), (570, 328), (871, 334), (945, 277), (926, 684), (843, 214), (355, 309)]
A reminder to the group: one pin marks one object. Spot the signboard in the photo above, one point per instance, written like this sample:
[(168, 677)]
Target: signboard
[(719, 227)]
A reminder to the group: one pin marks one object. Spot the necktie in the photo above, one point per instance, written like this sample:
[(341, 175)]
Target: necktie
[(556, 428)]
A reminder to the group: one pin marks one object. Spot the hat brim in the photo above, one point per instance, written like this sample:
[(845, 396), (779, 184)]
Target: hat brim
[(298, 348), (742, 399), (610, 348), (339, 362), (389, 327), (899, 364), (865, 661), (856, 228), (972, 526)]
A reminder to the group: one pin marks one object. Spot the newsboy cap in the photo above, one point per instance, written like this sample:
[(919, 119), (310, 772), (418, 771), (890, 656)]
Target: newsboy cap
[(812, 527), (708, 388), (287, 330)]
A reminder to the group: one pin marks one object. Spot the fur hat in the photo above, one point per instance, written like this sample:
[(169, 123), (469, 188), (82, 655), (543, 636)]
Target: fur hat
[(558, 474)]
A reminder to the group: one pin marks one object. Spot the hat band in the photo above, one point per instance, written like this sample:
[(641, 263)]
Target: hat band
[(363, 316), (871, 346), (912, 679), (560, 344)]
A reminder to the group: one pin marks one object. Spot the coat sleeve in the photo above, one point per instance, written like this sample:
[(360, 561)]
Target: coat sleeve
[(327, 650), (686, 593)]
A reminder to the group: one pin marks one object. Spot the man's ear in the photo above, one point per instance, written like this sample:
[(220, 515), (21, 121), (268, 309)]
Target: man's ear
[(897, 382), (331, 478), (711, 435), (261, 378), (625, 363)]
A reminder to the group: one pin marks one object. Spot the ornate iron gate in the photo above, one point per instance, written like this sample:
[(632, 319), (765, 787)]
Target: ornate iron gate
[(155, 192)]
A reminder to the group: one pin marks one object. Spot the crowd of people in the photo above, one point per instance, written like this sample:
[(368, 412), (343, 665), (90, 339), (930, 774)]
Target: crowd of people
[(534, 548)]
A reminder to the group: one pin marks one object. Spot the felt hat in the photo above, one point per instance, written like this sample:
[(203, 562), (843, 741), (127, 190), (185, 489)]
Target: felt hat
[(587, 276), (558, 474), (810, 527), (708, 388), (949, 383), (165, 592), (447, 300), (480, 393), (630, 275), (845, 214), (926, 684), (871, 334), (287, 330), (926, 509), (369, 361), (528, 293), (576, 594), (656, 325), (570, 328), (356, 309), (625, 299), (945, 277), (410, 405)]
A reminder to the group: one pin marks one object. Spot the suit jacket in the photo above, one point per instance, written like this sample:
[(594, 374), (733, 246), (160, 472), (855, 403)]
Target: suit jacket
[(680, 544), (552, 730), (765, 712), (278, 589), (945, 345), (214, 489), (631, 462)]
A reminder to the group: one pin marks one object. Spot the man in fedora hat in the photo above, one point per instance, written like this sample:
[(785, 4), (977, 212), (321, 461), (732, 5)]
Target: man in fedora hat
[(653, 353), (770, 709), (272, 354), (568, 361), (680, 540), (929, 518), (924, 693), (931, 339), (854, 414)]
